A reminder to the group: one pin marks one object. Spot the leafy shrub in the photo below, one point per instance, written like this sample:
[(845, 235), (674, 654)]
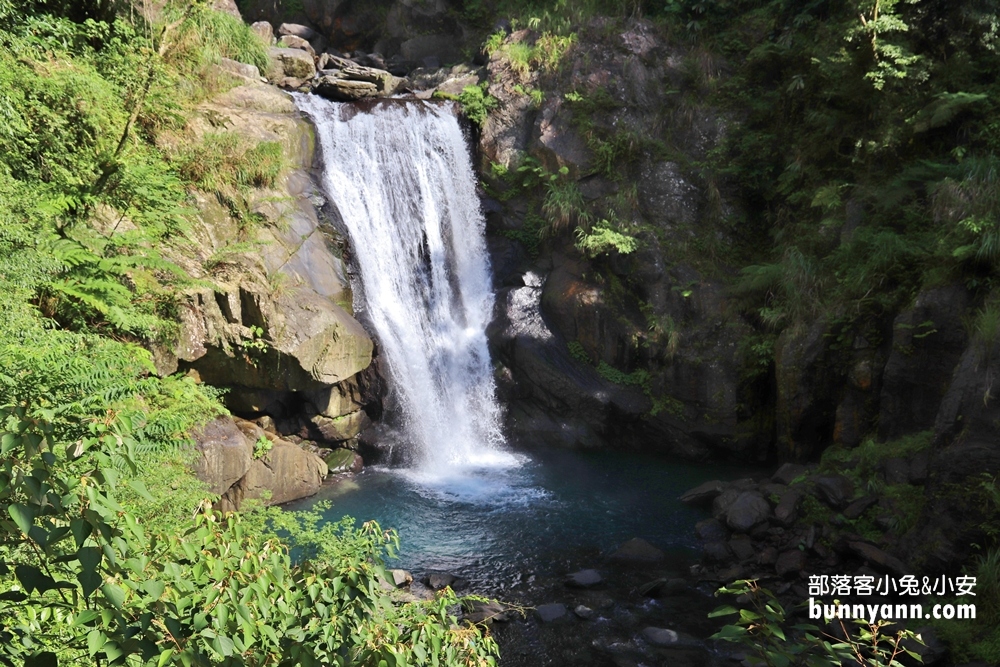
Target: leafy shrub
[(761, 630), (477, 103), (86, 582), (602, 238)]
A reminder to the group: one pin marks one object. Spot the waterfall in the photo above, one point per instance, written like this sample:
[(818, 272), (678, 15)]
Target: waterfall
[(401, 178)]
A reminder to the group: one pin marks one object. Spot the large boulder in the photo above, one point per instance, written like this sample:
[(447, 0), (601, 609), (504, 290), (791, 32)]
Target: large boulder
[(225, 454), (748, 510), (237, 468), (344, 80), (275, 328), (285, 473), (292, 63), (293, 42), (637, 551)]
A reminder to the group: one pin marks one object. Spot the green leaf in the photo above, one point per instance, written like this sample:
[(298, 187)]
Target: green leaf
[(114, 594), (90, 558), (725, 610), (90, 581), (23, 516), (730, 633), (95, 641), (39, 535), (81, 531), (84, 617), (43, 659), (34, 579), (140, 488), (164, 657), (154, 588), (223, 645)]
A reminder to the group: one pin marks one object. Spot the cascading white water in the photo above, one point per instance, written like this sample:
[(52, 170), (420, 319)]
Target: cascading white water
[(401, 178)]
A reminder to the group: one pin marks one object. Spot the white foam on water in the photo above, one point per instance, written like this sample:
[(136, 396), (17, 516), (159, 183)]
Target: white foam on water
[(401, 178)]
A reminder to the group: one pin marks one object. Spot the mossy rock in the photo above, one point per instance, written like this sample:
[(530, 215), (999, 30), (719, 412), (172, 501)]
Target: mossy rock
[(343, 460)]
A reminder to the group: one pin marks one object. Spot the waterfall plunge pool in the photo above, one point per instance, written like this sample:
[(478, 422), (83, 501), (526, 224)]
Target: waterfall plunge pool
[(551, 513)]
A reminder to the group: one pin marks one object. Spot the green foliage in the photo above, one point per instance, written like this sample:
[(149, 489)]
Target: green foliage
[(87, 582), (602, 238), (544, 53), (978, 639), (867, 458), (207, 35), (219, 161), (477, 103), (530, 234), (262, 447), (866, 154), (787, 291), (563, 204), (760, 628)]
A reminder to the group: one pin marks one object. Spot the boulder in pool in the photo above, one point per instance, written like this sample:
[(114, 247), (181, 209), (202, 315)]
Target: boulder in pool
[(637, 551), (549, 613)]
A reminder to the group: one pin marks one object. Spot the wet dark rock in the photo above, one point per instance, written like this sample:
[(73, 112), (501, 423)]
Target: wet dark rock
[(703, 494), (549, 613), (486, 612), (920, 467), (834, 490), (717, 552), (767, 556), (637, 551), (748, 510), (742, 548), (660, 636), (785, 511), (584, 612), (710, 530), (790, 563), (440, 580), (896, 470), (878, 559), (584, 579), (807, 380), (722, 502), (859, 507), (771, 490), (788, 472)]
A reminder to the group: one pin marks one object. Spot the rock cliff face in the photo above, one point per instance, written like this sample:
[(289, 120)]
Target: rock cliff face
[(271, 321), (638, 349)]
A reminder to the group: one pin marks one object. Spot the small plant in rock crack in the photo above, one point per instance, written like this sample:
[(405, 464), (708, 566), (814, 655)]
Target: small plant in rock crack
[(253, 345), (262, 447)]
